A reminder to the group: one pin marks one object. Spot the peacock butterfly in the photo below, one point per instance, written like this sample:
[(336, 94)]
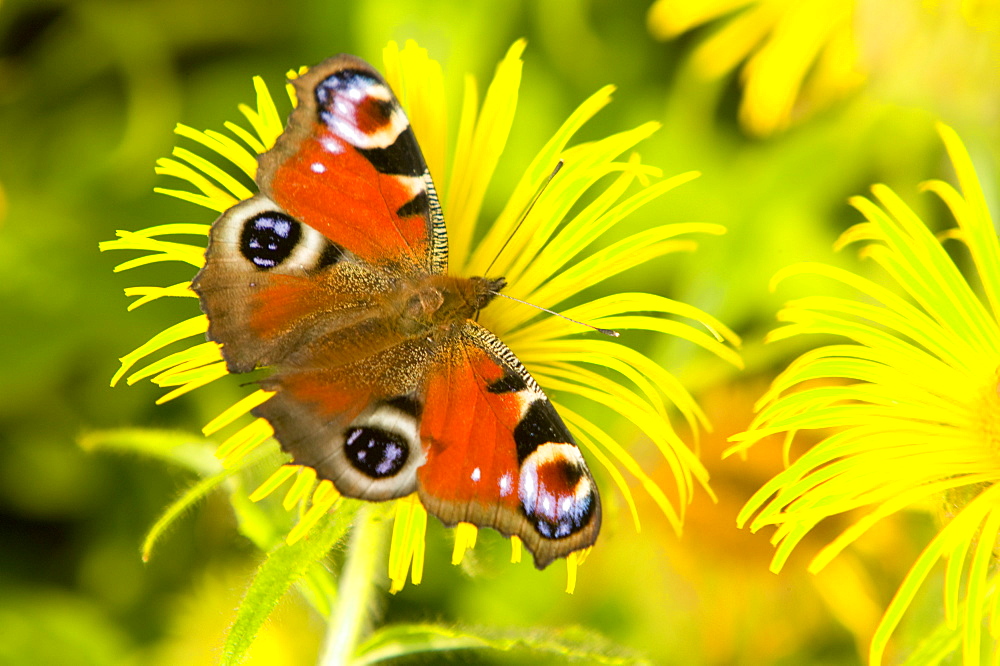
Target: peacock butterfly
[(335, 276)]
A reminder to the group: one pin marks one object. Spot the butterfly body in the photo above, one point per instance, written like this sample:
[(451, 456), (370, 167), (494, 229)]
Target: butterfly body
[(335, 276)]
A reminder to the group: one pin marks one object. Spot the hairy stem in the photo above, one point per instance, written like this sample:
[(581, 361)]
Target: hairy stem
[(355, 596)]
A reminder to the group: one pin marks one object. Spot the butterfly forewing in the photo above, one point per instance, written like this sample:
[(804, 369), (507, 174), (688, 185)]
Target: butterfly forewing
[(349, 145)]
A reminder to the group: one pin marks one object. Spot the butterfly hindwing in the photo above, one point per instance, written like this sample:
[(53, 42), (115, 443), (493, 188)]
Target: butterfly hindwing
[(498, 455), (356, 424)]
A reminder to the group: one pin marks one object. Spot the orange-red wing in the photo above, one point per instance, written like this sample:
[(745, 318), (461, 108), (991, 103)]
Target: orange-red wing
[(349, 166), (499, 456)]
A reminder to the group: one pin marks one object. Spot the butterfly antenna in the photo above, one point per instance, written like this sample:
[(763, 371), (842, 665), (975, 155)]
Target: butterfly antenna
[(605, 331), (524, 215)]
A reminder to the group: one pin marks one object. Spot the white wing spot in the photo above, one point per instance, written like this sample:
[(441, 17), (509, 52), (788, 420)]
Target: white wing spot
[(506, 484), (317, 167), (476, 474), (332, 146)]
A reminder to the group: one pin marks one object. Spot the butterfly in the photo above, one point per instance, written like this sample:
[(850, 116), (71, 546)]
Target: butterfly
[(334, 276)]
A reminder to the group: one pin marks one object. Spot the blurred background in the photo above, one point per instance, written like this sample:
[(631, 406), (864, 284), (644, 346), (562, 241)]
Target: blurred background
[(787, 107)]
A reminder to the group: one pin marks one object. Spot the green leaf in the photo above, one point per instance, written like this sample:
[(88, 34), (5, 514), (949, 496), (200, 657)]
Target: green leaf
[(192, 452), (176, 509), (319, 587), (572, 643), (264, 523), (196, 493), (283, 567)]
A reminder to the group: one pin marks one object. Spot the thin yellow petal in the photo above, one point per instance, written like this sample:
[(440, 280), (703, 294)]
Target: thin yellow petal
[(239, 409), (243, 441), (273, 482), (305, 479), (223, 146), (192, 357), (324, 497), (468, 183), (465, 538), (229, 184), (406, 550), (150, 294), (185, 329)]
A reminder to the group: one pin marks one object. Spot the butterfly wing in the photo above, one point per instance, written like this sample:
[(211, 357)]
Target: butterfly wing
[(349, 166), (498, 455), (346, 207), (355, 423)]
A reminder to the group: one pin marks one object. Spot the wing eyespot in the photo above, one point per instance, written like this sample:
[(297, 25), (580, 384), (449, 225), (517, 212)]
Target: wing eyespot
[(272, 241), (269, 238), (382, 450), (375, 452), (556, 492)]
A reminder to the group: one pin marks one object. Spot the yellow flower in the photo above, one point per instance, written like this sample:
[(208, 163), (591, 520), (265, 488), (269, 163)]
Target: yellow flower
[(908, 408), (798, 55), (547, 266)]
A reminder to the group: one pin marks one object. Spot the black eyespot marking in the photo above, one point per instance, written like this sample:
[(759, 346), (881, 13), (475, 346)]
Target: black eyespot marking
[(569, 474), (539, 425), (268, 239), (402, 158), (375, 452), (509, 383), (380, 110), (406, 404), (562, 524), (418, 205), (331, 254)]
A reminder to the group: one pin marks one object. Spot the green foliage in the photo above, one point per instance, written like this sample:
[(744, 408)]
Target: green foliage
[(191, 452), (284, 566), (570, 643)]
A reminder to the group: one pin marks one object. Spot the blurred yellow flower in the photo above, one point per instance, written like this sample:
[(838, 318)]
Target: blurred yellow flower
[(909, 408), (798, 55), (546, 266)]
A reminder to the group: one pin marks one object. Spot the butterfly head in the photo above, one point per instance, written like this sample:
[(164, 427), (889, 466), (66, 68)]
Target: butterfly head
[(487, 289)]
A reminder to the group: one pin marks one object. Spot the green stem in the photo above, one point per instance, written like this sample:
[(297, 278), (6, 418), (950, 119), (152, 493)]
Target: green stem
[(365, 554)]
